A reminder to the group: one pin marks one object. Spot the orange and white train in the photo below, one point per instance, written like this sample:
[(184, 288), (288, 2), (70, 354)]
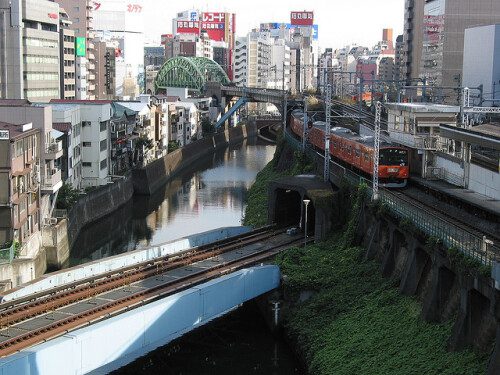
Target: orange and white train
[(356, 152)]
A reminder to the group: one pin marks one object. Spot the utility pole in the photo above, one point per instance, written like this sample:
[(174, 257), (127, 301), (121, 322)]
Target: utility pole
[(283, 83), (372, 91), (376, 150), (328, 127), (305, 126), (360, 95)]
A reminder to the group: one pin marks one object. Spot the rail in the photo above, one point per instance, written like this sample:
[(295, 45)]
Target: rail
[(452, 235)]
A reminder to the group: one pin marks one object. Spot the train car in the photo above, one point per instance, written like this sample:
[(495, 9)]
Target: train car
[(356, 152)]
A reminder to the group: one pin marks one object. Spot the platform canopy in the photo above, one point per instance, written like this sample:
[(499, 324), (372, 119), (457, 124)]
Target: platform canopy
[(189, 72)]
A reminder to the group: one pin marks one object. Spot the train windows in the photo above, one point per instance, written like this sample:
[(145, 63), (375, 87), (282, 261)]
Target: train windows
[(393, 156)]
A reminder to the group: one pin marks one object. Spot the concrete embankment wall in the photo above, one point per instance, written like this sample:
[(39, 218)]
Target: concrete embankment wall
[(110, 344), (446, 287), (150, 178)]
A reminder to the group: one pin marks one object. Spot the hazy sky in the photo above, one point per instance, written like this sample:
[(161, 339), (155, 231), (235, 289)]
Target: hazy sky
[(340, 21)]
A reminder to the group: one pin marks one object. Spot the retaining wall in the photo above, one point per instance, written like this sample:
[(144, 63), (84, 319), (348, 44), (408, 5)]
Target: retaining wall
[(150, 178), (446, 290), (110, 344)]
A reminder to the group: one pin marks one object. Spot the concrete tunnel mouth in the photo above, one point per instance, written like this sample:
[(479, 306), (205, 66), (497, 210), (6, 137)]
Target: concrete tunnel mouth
[(287, 207), (290, 210)]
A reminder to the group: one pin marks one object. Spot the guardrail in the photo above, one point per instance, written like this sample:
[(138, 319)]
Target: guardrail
[(451, 235), (7, 254)]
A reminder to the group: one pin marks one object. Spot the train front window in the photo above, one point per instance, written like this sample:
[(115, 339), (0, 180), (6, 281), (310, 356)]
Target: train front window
[(393, 156)]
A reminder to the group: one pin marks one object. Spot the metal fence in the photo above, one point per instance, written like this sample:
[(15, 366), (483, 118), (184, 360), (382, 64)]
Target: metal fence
[(451, 235), (7, 254)]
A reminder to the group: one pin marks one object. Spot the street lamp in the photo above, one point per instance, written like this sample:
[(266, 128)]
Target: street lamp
[(306, 202)]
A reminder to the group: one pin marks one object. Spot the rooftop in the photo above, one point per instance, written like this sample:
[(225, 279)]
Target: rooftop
[(18, 131), (83, 102), (423, 107)]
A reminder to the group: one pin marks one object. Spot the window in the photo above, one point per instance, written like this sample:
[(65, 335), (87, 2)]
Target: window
[(87, 144), (85, 123), (86, 164), (104, 164), (103, 126), (104, 145)]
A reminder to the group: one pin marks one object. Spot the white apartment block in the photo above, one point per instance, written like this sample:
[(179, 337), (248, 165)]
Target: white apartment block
[(67, 119)]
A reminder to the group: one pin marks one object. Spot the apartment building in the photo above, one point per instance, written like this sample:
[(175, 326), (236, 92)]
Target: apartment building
[(95, 118), (67, 56), (80, 12), (29, 55), (19, 184)]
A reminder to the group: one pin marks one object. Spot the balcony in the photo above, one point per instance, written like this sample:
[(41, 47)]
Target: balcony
[(52, 182), (54, 150)]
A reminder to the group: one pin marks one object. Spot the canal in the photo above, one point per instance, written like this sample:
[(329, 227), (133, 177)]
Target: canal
[(211, 194)]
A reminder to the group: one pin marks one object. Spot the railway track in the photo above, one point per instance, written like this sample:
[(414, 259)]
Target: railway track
[(35, 319)]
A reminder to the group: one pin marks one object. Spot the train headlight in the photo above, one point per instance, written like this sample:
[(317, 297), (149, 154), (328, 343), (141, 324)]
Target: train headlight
[(393, 170)]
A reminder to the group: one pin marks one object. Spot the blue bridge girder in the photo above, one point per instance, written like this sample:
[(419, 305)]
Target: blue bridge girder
[(241, 102)]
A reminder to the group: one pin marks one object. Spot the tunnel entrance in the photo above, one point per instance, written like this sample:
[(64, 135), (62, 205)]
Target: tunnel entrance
[(287, 204), (288, 208)]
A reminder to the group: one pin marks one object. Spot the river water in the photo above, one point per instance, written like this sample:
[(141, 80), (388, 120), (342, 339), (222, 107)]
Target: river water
[(208, 196)]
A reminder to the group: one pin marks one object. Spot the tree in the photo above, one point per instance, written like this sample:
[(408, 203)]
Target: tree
[(206, 126)]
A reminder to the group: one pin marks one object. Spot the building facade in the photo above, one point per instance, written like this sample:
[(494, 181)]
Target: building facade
[(29, 63), (67, 56), (19, 183), (80, 12), (444, 27), (413, 38)]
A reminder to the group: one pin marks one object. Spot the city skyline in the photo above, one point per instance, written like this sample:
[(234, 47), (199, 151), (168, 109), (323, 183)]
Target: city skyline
[(364, 29)]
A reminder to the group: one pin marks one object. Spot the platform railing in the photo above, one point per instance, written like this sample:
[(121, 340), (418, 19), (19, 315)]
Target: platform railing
[(450, 234)]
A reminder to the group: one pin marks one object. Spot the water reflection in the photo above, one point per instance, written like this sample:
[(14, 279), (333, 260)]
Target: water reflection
[(208, 195)]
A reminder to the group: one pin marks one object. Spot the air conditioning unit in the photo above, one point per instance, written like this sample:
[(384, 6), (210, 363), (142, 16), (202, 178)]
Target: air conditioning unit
[(50, 221)]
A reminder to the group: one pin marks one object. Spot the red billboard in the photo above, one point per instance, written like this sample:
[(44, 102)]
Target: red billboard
[(188, 27), (302, 18), (214, 23)]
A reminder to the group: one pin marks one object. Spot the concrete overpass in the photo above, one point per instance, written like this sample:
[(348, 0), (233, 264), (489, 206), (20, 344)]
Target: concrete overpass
[(232, 98)]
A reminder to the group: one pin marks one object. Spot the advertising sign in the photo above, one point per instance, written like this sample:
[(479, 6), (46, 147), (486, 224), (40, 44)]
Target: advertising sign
[(4, 134), (302, 18), (214, 23), (188, 27), (80, 46)]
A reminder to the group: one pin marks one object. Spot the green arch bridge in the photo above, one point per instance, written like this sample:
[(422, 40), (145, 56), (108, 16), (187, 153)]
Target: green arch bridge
[(189, 72)]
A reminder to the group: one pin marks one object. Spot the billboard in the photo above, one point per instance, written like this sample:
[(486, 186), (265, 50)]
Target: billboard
[(80, 46), (302, 18), (214, 23), (188, 27)]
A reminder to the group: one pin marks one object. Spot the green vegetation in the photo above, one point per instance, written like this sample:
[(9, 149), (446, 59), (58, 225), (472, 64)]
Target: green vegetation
[(256, 211), (172, 146), (66, 197), (207, 127), (356, 322)]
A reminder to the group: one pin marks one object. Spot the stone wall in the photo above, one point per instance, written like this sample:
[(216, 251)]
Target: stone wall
[(447, 290), (150, 178)]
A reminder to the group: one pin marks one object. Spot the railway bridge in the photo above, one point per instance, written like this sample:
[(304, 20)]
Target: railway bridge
[(100, 316)]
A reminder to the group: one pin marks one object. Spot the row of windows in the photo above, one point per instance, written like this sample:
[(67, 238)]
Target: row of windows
[(103, 164), (36, 42), (32, 59), (34, 76), (42, 93)]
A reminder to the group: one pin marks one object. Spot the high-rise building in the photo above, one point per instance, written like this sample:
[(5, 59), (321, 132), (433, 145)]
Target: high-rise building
[(399, 58), (481, 65), (444, 26), (29, 53), (253, 60), (67, 56), (121, 23), (80, 13), (105, 73), (413, 34)]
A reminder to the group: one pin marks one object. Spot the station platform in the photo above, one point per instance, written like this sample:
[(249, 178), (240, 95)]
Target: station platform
[(469, 197)]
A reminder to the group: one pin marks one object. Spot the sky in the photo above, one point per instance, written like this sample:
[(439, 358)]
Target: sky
[(341, 22)]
